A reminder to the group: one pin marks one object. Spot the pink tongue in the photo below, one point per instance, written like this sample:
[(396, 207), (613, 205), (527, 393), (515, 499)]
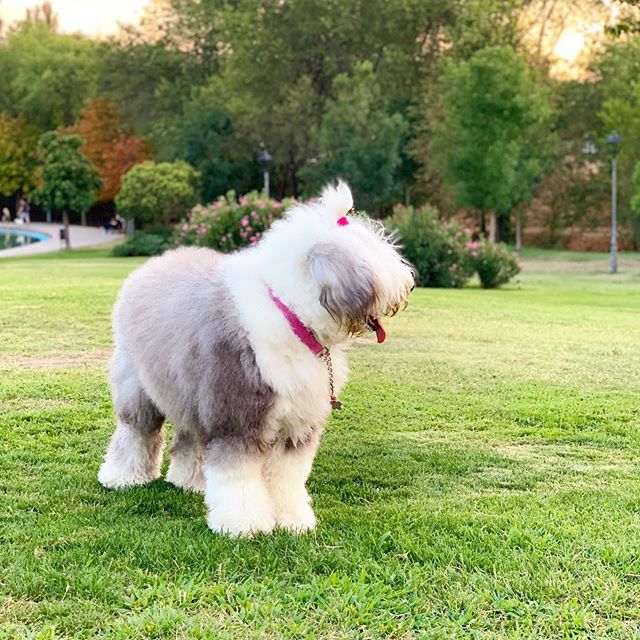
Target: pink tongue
[(380, 332)]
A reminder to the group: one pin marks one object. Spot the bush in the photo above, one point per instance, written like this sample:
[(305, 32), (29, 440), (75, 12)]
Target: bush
[(494, 263), (436, 250), (227, 224), (158, 193), (143, 244)]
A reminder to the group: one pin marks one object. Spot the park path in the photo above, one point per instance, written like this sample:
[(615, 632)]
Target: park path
[(80, 237)]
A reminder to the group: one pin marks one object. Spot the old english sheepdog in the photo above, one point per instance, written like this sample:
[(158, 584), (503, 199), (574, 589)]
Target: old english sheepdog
[(244, 353)]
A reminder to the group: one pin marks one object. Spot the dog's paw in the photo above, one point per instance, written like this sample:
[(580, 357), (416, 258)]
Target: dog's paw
[(298, 520), (237, 525), (112, 477), (189, 478)]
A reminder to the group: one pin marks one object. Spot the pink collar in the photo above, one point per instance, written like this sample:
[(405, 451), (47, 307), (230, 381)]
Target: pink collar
[(305, 335)]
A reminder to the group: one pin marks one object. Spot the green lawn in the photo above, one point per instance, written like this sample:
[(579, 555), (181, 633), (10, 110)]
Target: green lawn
[(482, 480)]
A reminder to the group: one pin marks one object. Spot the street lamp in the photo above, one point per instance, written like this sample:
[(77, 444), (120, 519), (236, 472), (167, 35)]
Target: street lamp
[(614, 140), (264, 159)]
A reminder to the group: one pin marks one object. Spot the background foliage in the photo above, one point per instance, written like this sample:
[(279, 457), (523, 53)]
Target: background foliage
[(157, 192), (67, 181), (392, 95)]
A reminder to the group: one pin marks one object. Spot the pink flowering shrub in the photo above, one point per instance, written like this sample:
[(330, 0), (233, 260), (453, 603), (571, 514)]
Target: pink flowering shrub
[(436, 249), (494, 263), (446, 255), (229, 224)]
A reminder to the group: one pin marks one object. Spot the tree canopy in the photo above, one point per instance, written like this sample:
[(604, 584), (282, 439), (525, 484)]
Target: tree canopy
[(18, 141), (358, 140), (67, 181), (108, 144), (494, 136)]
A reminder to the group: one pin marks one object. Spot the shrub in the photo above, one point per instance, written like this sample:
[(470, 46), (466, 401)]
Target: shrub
[(158, 193), (436, 250), (143, 244), (494, 263), (228, 224)]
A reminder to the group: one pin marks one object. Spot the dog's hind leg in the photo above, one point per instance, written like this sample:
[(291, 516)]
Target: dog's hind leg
[(134, 454), (187, 458)]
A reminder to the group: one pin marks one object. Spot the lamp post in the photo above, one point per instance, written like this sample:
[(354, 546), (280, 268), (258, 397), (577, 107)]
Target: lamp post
[(614, 140), (264, 159)]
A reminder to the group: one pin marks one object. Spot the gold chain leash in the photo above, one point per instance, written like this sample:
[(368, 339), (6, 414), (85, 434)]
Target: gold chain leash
[(326, 356)]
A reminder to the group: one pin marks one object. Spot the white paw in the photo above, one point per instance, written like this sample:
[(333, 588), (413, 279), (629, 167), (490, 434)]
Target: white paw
[(185, 475), (297, 519), (237, 524), (113, 477)]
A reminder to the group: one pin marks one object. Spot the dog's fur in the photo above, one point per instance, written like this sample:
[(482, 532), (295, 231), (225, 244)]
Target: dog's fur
[(200, 341)]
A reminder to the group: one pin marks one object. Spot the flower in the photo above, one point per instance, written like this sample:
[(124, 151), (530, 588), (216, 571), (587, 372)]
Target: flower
[(245, 221)]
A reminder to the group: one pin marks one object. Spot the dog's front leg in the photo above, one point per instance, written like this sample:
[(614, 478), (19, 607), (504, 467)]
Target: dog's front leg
[(287, 471), (236, 495)]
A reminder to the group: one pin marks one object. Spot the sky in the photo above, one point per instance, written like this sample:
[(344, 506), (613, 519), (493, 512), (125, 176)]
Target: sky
[(93, 17)]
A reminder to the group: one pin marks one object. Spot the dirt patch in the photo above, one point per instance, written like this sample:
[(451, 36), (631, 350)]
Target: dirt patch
[(577, 266), (69, 360)]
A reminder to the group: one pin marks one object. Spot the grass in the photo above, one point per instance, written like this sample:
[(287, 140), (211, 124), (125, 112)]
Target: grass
[(482, 480)]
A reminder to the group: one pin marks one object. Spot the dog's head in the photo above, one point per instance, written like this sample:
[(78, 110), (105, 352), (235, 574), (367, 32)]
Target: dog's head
[(358, 272), (344, 272)]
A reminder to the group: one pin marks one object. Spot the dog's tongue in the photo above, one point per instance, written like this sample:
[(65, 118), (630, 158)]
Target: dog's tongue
[(379, 329)]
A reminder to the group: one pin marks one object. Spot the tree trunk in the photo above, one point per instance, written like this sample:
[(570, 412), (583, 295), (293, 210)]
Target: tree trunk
[(83, 218), (493, 227), (518, 230), (65, 222)]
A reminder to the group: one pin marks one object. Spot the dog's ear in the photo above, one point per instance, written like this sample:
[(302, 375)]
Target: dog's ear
[(337, 200), (347, 285)]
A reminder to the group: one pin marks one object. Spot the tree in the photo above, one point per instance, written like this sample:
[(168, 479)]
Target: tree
[(494, 139), (43, 14), (67, 180), (146, 81), (274, 63), (109, 145), (635, 200), (18, 143), (159, 193), (620, 87), (205, 137), (359, 141), (46, 77)]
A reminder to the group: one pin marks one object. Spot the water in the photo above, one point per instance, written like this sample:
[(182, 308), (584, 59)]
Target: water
[(10, 238)]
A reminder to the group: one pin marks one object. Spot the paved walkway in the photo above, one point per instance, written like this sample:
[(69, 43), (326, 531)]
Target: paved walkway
[(80, 237)]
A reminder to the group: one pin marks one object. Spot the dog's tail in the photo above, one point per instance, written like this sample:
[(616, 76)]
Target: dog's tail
[(337, 200)]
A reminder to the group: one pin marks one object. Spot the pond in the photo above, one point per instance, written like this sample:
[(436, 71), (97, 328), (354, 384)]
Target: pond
[(10, 238)]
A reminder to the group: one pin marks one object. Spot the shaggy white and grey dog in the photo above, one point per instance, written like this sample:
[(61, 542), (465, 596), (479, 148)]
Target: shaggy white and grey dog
[(217, 344)]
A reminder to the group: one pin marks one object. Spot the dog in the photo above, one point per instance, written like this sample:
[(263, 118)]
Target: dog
[(244, 353)]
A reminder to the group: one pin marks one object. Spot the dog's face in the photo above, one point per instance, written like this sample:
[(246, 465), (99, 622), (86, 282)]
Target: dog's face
[(360, 276), (339, 273)]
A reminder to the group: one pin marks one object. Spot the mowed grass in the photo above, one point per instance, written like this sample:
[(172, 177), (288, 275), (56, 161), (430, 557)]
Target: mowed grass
[(482, 480)]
